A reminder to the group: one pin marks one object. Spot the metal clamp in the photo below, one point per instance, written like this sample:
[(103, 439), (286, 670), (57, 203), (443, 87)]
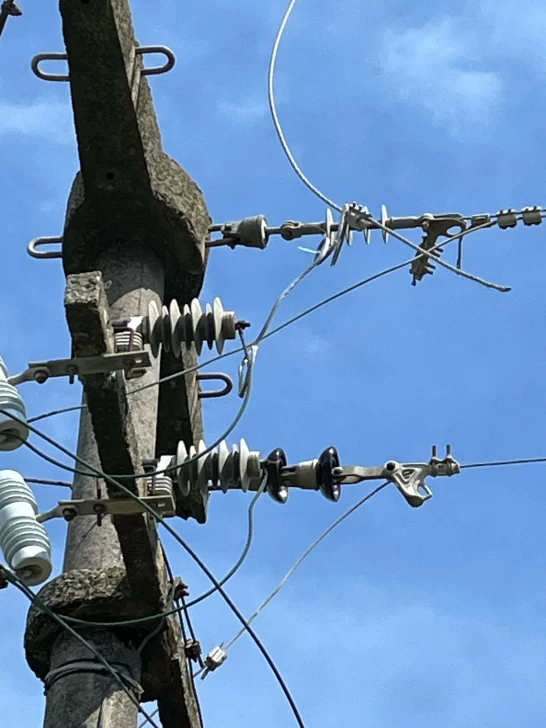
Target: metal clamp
[(218, 392), (105, 364), (32, 248), (139, 50), (434, 227), (70, 509), (409, 478)]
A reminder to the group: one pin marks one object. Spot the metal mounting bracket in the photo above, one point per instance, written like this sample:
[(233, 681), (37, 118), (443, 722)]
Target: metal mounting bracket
[(70, 509), (80, 366)]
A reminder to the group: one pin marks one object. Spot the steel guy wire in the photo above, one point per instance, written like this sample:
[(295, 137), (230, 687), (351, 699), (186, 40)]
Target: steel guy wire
[(250, 353), (267, 335), (14, 579), (452, 268), (242, 558), (262, 336), (359, 284), (315, 190), (41, 481), (185, 545), (62, 411), (275, 116), (497, 463), (305, 554)]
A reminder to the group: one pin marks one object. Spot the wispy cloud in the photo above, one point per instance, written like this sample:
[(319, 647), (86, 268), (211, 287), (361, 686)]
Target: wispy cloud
[(39, 119), (438, 68), (244, 112)]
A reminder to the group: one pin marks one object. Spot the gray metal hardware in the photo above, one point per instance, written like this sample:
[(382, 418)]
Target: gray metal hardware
[(251, 232), (409, 478), (107, 363)]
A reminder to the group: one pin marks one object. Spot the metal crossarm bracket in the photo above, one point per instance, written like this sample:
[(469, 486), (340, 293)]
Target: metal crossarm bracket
[(70, 509), (80, 366)]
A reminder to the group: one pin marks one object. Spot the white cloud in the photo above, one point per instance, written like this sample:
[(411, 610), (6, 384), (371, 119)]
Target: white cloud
[(244, 112), (40, 119), (518, 30), (436, 68)]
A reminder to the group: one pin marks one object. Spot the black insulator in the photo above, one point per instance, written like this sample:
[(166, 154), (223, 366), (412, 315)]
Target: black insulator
[(327, 462), (273, 465)]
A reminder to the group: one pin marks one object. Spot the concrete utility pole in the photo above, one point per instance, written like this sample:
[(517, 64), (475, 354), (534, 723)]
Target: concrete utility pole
[(135, 232)]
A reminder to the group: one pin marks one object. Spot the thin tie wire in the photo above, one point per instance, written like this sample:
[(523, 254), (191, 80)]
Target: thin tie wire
[(275, 116), (305, 554)]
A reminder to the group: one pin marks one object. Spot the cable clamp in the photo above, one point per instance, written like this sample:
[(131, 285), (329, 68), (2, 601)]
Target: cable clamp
[(214, 660)]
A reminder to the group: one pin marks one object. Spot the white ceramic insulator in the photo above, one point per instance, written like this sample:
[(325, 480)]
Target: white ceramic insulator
[(12, 434), (173, 328), (220, 467), (24, 542)]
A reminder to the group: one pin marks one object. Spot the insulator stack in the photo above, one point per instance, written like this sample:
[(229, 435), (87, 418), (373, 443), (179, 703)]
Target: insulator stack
[(12, 434), (218, 468), (160, 485), (173, 328), (24, 542)]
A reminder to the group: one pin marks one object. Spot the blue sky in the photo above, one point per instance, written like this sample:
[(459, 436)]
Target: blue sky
[(431, 616)]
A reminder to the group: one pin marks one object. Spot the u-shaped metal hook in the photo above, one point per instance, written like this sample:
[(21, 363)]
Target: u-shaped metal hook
[(218, 392), (33, 246)]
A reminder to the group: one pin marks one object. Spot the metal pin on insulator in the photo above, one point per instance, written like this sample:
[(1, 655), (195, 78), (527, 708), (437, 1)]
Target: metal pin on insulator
[(220, 467), (24, 542), (12, 434), (173, 328)]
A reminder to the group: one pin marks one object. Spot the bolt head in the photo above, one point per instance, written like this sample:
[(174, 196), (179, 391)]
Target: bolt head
[(41, 376)]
